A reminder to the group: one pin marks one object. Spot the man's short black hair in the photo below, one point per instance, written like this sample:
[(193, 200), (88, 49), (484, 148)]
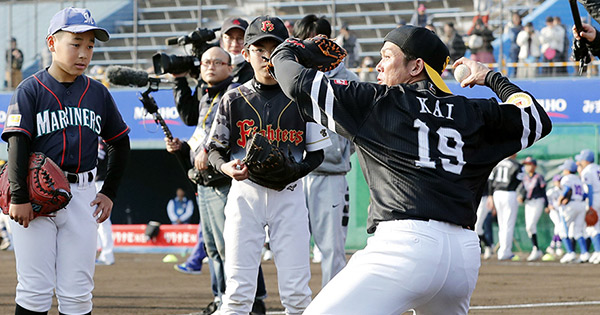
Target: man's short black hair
[(310, 26)]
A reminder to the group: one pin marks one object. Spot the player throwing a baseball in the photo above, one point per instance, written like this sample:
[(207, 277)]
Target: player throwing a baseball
[(61, 112), (426, 155)]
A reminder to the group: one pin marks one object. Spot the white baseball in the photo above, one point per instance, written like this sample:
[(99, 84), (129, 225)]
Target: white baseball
[(461, 72)]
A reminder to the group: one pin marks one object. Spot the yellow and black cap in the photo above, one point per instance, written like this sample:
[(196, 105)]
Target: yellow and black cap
[(423, 43), (263, 27)]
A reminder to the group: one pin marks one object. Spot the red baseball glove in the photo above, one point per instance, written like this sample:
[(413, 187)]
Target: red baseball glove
[(591, 217), (49, 190)]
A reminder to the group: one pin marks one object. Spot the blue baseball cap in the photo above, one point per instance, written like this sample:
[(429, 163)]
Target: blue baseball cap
[(585, 155), (76, 20), (569, 165), (557, 178)]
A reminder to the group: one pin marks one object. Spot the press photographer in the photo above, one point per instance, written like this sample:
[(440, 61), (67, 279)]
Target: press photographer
[(215, 71)]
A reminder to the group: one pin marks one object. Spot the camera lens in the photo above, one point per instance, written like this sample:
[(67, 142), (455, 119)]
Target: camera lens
[(164, 63)]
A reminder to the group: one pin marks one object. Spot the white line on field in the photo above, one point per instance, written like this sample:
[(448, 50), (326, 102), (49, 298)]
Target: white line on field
[(492, 307), (496, 307)]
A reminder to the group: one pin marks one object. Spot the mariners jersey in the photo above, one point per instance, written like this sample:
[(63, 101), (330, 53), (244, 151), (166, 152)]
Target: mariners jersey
[(64, 122), (591, 177), (573, 183), (424, 156), (253, 107)]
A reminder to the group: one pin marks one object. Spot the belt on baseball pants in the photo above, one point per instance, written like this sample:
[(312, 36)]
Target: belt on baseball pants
[(468, 227), (75, 178)]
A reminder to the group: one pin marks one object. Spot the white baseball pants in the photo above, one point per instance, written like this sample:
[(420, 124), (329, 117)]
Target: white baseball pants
[(58, 253), (533, 212), (250, 207), (326, 200), (428, 266), (482, 212), (555, 218), (105, 237), (574, 216), (507, 208)]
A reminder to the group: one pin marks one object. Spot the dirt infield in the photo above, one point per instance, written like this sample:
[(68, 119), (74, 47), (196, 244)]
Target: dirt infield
[(143, 284)]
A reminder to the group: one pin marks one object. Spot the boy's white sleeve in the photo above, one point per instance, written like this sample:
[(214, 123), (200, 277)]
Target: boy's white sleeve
[(317, 137)]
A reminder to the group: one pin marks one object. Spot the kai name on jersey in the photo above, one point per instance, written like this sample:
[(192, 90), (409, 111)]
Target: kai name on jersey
[(247, 129), (437, 111), (48, 122)]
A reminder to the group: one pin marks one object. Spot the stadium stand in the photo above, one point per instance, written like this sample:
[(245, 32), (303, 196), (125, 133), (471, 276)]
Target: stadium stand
[(162, 19), (157, 20)]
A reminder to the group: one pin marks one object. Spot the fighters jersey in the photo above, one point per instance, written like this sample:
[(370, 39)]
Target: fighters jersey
[(254, 107), (507, 175), (574, 183), (64, 123), (591, 177), (424, 156)]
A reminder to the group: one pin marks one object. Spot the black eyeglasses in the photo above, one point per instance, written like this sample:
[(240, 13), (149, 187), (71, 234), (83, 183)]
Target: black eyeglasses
[(216, 63)]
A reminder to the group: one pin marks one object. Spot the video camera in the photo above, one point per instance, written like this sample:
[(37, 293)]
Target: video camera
[(199, 39)]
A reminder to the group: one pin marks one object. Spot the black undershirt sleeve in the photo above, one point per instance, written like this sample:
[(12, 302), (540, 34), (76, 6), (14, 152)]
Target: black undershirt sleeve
[(19, 147), (311, 161), (287, 72), (118, 154), (186, 102), (501, 85)]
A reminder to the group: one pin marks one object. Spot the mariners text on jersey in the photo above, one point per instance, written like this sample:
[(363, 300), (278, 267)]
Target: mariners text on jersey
[(51, 121)]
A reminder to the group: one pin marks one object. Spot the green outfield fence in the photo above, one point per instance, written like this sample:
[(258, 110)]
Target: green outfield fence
[(565, 141)]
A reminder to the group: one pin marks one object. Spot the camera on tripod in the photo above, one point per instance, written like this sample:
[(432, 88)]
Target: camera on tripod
[(173, 64)]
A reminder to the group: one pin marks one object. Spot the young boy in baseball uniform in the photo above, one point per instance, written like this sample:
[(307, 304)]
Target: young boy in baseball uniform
[(61, 112), (555, 247), (260, 106), (532, 192), (590, 175), (572, 209)]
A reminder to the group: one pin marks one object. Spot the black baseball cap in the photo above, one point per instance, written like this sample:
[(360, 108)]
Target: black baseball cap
[(263, 27), (233, 22), (423, 43)]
